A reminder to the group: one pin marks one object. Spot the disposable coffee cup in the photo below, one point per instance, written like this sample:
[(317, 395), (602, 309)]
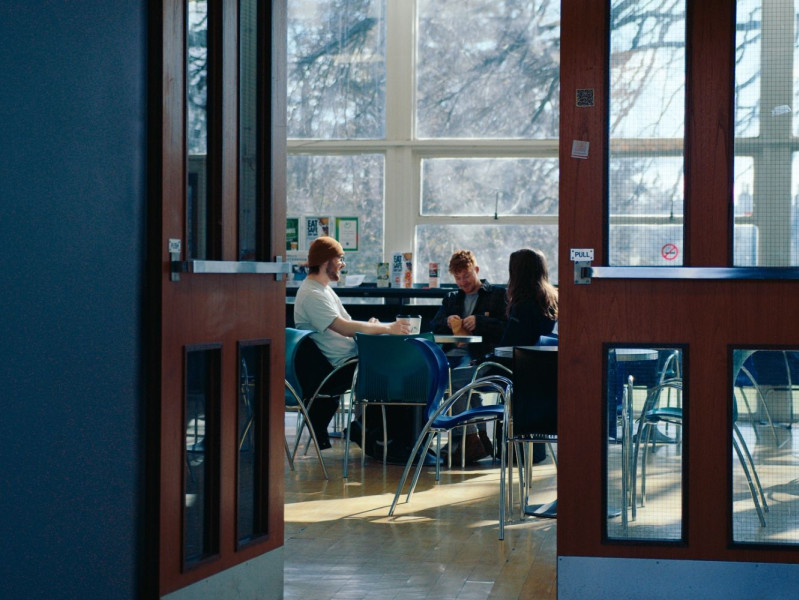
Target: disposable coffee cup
[(413, 321)]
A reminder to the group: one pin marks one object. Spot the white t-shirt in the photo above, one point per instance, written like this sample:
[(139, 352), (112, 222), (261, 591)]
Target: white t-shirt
[(316, 306)]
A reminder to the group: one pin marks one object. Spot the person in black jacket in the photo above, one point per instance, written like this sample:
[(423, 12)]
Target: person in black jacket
[(477, 308), (532, 307), (532, 299)]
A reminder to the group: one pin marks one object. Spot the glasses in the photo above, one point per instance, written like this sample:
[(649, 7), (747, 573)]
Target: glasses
[(341, 259)]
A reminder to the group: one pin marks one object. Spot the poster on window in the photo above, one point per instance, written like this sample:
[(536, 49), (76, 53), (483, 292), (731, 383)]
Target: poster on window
[(299, 268), (292, 234), (315, 227), (347, 233)]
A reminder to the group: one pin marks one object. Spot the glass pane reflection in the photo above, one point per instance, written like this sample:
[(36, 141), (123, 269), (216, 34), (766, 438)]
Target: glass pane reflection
[(197, 128), (201, 483), (766, 127), (248, 129), (765, 467), (252, 415), (646, 131), (644, 468)]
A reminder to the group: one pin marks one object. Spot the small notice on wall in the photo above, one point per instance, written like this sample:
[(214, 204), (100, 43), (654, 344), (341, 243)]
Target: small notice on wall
[(579, 149), (347, 233)]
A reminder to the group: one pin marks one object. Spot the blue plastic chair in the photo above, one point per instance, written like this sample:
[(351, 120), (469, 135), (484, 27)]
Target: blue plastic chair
[(439, 421), (389, 373)]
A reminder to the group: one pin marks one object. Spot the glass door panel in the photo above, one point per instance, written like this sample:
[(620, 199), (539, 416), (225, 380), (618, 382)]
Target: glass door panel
[(199, 77), (248, 131), (201, 449), (765, 466), (253, 425), (646, 131), (644, 454)]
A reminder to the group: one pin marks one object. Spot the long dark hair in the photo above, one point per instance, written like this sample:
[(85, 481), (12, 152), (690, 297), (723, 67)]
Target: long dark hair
[(528, 278)]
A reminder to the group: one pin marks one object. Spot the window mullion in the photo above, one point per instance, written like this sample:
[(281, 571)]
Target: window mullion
[(401, 175)]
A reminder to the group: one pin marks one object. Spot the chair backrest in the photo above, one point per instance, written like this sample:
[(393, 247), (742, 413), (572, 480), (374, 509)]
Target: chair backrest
[(438, 368), (389, 370), (534, 403), (306, 366)]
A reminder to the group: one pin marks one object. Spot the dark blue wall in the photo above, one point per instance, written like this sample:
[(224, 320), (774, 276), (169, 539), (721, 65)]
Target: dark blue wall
[(72, 201)]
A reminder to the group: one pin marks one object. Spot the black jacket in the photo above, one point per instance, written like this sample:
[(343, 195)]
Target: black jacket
[(526, 324), (489, 312)]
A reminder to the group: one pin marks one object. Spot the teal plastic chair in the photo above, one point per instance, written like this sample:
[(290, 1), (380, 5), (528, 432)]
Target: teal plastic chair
[(389, 373), (307, 373)]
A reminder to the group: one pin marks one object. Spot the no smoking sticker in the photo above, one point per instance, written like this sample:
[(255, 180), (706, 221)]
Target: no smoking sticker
[(669, 251)]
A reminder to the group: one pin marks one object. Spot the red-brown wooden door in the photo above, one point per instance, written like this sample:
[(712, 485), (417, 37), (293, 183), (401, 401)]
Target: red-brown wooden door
[(708, 317), (215, 460)]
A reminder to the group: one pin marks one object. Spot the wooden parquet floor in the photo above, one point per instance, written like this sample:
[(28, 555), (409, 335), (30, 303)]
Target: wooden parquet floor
[(443, 545)]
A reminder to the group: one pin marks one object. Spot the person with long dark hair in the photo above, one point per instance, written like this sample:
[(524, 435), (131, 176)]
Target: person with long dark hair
[(532, 307)]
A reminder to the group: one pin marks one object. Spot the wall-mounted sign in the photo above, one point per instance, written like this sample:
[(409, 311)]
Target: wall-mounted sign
[(581, 254), (669, 251), (347, 233)]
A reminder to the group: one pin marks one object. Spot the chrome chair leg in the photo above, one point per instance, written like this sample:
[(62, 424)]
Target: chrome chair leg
[(745, 458), (288, 454), (419, 466), (422, 438), (307, 423)]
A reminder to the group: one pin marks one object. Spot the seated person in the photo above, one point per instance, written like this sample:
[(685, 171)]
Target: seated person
[(477, 308), (532, 307), (532, 300), (318, 308)]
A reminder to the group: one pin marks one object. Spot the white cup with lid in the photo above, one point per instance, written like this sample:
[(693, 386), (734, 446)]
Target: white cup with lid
[(414, 322)]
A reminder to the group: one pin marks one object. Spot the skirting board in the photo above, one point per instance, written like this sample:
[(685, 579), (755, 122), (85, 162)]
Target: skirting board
[(592, 578), (256, 579)]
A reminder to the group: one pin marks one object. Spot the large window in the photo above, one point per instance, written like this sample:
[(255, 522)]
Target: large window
[(435, 122), (766, 133)]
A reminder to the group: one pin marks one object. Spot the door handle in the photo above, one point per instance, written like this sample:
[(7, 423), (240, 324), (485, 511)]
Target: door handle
[(277, 268), (695, 273)]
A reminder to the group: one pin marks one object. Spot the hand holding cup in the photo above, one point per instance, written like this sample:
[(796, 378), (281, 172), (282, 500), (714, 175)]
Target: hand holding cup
[(456, 324)]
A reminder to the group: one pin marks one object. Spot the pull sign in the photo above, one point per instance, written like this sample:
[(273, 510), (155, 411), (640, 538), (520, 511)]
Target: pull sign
[(581, 254), (582, 257)]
